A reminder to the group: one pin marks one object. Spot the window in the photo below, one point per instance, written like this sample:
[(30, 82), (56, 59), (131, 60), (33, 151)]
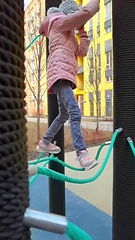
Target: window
[(91, 108), (80, 101), (32, 80), (98, 18), (90, 53), (107, 30), (108, 102), (108, 11), (40, 96), (91, 63), (90, 24), (98, 31), (41, 104), (29, 16), (91, 99), (98, 69), (109, 79), (38, 6), (38, 22), (32, 67), (31, 56), (99, 62), (98, 34), (91, 76), (109, 60), (108, 107), (35, 104), (40, 71), (29, 36)]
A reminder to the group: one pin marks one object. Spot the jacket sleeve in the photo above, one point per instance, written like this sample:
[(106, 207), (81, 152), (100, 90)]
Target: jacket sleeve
[(41, 28), (84, 44), (77, 19)]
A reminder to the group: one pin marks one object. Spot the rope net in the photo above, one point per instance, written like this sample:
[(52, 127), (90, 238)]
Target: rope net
[(13, 150)]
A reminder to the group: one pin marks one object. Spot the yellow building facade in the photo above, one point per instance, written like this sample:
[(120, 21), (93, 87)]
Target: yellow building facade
[(94, 91), (95, 83), (35, 60)]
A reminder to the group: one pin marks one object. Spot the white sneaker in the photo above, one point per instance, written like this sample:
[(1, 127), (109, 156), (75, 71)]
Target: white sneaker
[(49, 148), (85, 161)]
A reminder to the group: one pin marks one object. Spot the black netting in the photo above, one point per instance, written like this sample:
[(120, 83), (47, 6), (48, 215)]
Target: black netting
[(13, 150), (124, 116)]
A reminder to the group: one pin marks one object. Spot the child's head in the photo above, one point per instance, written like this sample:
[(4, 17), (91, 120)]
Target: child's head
[(53, 10), (68, 6)]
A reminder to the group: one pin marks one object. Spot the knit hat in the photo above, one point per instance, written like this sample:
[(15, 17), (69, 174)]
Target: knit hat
[(68, 6), (53, 10)]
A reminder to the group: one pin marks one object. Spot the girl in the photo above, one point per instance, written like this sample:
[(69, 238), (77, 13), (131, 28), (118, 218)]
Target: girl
[(61, 72)]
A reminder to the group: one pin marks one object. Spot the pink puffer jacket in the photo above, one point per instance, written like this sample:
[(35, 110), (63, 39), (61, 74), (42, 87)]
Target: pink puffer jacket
[(63, 45)]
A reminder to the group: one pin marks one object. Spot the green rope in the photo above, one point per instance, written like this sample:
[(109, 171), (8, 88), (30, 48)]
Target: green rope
[(99, 150), (52, 158), (131, 145), (33, 178), (58, 176), (33, 40), (76, 233), (40, 160)]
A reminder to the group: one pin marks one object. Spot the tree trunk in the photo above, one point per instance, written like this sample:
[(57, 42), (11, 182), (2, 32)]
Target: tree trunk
[(38, 122), (97, 117), (38, 110)]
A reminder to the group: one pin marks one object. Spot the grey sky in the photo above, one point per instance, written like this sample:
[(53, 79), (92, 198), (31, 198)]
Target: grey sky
[(26, 2)]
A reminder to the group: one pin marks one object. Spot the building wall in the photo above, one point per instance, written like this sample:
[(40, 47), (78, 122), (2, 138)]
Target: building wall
[(101, 35), (35, 63)]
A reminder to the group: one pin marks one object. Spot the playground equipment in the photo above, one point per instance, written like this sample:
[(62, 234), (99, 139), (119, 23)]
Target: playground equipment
[(35, 170), (54, 223), (15, 219)]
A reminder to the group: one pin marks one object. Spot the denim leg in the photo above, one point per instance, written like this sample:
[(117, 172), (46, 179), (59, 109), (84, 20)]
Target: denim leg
[(58, 121), (68, 107), (67, 97)]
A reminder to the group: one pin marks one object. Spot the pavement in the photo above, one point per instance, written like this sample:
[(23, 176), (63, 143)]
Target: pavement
[(86, 123), (88, 206), (99, 192)]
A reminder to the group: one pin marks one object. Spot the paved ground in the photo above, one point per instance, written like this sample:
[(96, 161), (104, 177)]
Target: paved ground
[(105, 126), (88, 206), (99, 192)]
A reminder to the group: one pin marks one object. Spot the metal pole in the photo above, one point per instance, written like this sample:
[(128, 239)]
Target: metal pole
[(45, 221), (56, 188), (124, 116)]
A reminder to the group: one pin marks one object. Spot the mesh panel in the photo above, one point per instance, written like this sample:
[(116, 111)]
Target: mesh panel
[(124, 116), (13, 150)]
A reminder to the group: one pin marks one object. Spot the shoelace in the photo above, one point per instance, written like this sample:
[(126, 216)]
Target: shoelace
[(84, 160)]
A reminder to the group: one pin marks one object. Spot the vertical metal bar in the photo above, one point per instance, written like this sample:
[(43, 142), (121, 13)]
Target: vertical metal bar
[(124, 116), (56, 188)]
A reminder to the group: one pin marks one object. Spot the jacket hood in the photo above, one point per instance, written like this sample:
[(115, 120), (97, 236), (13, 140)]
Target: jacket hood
[(47, 23)]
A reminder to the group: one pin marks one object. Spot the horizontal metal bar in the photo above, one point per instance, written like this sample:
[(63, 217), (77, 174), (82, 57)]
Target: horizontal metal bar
[(119, 129), (32, 169), (45, 221), (129, 139), (107, 143)]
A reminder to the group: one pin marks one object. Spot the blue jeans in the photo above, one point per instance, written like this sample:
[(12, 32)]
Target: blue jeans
[(68, 109)]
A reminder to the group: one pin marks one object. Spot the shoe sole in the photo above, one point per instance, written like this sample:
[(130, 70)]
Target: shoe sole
[(94, 164), (38, 149)]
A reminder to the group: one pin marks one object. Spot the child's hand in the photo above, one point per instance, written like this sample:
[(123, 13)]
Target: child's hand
[(80, 28)]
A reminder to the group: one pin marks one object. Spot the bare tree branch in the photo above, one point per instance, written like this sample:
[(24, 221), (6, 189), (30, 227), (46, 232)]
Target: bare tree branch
[(31, 88), (37, 50)]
